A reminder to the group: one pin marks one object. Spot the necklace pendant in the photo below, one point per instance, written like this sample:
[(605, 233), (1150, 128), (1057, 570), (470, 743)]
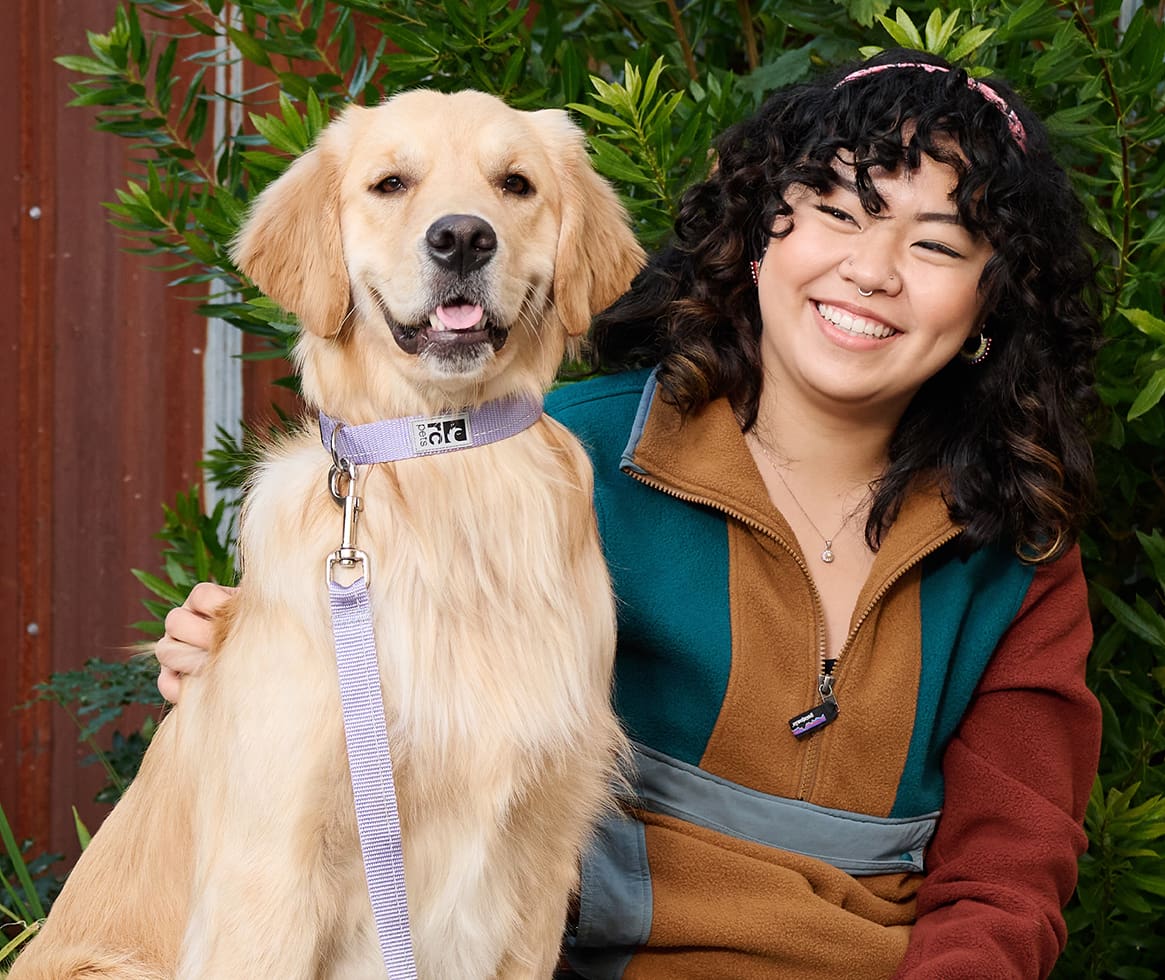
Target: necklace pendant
[(827, 554)]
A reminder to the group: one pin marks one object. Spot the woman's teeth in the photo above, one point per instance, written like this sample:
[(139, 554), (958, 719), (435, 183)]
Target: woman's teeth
[(857, 325)]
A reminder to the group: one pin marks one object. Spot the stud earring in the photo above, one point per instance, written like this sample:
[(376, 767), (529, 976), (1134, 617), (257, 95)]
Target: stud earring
[(979, 353), (754, 268)]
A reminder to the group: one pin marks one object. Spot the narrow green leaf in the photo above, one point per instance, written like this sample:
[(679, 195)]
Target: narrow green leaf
[(164, 590), (86, 66), (263, 160), (932, 29), (615, 164), (1023, 13), (200, 25), (1150, 629), (163, 70), (347, 44), (787, 67), (83, 835), (652, 81), (907, 26), (19, 940), (316, 118), (1149, 396), (275, 132), (945, 33), (249, 47), (198, 118), (193, 91), (1154, 884), (900, 37), (1144, 321), (101, 96), (513, 70), (33, 909), (1154, 546), (599, 116), (971, 41), (294, 122)]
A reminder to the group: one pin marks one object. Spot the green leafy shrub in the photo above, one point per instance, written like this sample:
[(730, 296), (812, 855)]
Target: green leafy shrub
[(654, 82), (28, 890)]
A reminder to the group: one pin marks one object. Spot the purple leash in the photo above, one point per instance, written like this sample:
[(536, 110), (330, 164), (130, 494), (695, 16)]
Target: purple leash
[(365, 726), (370, 766)]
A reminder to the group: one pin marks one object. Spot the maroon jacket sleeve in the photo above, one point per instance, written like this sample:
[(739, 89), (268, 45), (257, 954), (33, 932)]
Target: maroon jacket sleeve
[(1017, 774)]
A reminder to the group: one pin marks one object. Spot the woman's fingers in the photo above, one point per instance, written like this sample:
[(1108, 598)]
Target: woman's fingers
[(169, 684), (206, 597), (189, 631)]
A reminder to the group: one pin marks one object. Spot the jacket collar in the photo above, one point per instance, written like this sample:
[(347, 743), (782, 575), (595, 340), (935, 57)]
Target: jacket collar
[(704, 458)]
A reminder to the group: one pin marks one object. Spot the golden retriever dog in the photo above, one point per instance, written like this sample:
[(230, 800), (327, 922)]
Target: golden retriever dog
[(440, 251)]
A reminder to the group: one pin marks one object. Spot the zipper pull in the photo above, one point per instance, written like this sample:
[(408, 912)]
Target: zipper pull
[(807, 722), (825, 683)]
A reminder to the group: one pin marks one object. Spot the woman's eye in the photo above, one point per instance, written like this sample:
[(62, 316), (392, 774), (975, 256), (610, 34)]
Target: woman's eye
[(835, 213), (941, 249), (517, 184), (390, 185)]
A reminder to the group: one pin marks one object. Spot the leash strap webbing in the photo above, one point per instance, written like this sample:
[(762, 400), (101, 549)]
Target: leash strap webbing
[(370, 766)]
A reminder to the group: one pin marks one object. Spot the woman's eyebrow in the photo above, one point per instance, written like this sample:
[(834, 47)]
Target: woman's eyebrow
[(945, 217)]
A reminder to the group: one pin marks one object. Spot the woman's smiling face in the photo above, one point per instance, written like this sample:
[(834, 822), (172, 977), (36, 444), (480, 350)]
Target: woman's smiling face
[(825, 341)]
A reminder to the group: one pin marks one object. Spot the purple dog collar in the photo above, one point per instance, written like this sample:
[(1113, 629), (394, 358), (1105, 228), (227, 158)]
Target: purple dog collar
[(391, 440)]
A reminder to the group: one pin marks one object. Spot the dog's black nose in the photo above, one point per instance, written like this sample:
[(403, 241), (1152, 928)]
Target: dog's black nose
[(461, 242)]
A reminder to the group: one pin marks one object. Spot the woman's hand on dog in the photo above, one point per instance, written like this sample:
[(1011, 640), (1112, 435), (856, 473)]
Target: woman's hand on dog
[(189, 630)]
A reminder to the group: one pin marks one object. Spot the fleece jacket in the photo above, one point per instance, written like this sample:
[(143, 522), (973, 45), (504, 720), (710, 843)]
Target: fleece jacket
[(931, 829)]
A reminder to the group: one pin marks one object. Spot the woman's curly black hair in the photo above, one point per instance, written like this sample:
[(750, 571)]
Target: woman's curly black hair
[(1008, 437)]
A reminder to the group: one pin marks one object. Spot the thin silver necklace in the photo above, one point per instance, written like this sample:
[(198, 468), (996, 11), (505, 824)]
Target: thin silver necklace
[(827, 554)]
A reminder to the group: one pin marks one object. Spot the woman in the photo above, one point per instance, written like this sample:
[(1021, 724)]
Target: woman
[(839, 475)]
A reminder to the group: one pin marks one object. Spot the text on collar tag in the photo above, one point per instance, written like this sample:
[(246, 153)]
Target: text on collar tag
[(441, 432)]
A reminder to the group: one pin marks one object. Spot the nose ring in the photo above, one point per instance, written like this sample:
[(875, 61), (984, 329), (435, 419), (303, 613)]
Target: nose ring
[(862, 292)]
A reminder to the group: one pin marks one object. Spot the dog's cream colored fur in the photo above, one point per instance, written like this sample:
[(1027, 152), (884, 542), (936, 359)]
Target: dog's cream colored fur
[(234, 854)]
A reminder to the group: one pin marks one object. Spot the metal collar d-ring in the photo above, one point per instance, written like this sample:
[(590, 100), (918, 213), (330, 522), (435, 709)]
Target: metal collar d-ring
[(337, 460), (341, 466)]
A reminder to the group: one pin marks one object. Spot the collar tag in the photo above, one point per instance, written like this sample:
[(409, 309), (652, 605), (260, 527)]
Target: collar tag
[(441, 433)]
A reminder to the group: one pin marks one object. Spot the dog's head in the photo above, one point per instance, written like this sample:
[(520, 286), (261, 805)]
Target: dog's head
[(439, 250)]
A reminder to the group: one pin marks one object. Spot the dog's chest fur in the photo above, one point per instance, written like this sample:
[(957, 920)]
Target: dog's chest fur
[(475, 565)]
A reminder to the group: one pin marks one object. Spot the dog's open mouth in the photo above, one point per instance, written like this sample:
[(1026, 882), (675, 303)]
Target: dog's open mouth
[(452, 328)]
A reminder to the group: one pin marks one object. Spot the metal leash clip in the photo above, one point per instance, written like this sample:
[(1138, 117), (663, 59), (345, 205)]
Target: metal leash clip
[(342, 486)]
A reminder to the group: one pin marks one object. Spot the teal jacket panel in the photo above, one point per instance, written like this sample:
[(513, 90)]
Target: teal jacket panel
[(669, 699)]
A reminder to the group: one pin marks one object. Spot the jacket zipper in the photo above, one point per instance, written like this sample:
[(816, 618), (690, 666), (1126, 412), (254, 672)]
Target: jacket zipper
[(809, 769), (827, 674)]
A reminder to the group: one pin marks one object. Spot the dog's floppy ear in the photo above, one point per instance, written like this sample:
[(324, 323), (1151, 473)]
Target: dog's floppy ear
[(597, 254), (290, 244)]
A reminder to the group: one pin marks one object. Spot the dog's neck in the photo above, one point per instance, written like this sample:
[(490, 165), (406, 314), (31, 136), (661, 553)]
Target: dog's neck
[(360, 382)]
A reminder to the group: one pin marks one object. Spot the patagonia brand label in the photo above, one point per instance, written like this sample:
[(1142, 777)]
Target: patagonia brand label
[(442, 432), (813, 720)]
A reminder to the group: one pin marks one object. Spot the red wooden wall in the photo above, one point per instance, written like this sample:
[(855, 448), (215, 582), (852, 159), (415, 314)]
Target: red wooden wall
[(101, 396)]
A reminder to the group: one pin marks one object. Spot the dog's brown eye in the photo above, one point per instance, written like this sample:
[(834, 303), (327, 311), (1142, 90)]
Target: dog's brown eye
[(517, 184), (390, 185)]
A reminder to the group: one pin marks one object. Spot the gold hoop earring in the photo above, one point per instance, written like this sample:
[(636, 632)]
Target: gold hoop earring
[(979, 353)]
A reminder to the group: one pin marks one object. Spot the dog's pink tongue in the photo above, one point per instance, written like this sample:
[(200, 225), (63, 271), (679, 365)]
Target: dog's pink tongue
[(461, 317)]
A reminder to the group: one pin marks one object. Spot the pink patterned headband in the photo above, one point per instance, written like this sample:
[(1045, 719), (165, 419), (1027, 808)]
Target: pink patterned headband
[(1018, 133)]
